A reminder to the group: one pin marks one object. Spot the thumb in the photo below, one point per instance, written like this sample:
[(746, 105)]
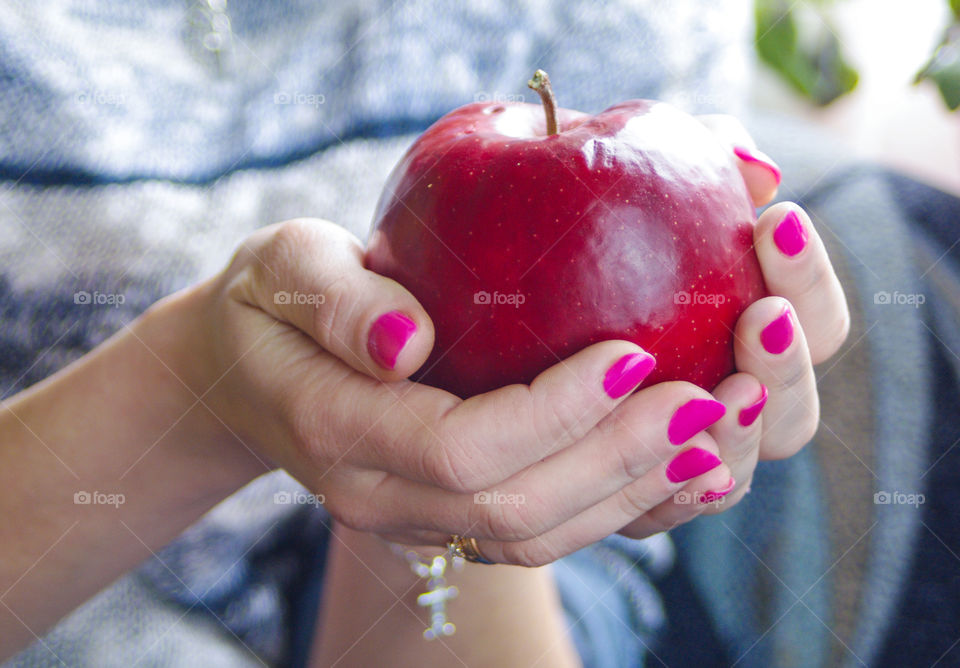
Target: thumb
[(309, 273)]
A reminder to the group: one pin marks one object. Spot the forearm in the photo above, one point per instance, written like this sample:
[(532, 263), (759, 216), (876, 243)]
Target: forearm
[(505, 615), (121, 421)]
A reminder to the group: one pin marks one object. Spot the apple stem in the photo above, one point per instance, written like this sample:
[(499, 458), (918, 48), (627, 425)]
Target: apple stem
[(541, 83)]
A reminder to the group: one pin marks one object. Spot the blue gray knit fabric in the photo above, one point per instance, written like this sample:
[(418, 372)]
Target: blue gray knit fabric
[(114, 92)]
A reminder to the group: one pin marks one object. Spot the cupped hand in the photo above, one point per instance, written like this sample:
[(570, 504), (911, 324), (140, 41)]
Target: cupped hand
[(307, 353)]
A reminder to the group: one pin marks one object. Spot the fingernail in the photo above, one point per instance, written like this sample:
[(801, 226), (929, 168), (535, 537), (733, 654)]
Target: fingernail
[(790, 235), (691, 463), (750, 414), (692, 418), (778, 335), (627, 372), (388, 336), (759, 158), (717, 494)]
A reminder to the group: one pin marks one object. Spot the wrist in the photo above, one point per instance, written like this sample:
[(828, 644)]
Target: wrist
[(175, 332)]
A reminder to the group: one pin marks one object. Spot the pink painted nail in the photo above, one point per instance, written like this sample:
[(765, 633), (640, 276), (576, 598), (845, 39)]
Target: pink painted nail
[(691, 463), (790, 235), (717, 494), (388, 336), (627, 372), (750, 414), (692, 418), (778, 335), (759, 158)]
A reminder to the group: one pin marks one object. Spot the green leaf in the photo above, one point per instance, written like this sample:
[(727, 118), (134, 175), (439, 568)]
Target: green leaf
[(835, 76), (812, 62), (944, 68)]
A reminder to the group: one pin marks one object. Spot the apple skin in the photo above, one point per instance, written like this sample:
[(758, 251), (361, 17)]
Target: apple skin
[(631, 224)]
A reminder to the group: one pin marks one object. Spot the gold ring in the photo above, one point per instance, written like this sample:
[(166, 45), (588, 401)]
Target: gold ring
[(466, 548)]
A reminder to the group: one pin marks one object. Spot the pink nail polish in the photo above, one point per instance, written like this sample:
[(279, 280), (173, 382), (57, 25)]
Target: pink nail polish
[(692, 418), (790, 235), (388, 335), (778, 335), (747, 156), (716, 494), (691, 463), (627, 372), (750, 414)]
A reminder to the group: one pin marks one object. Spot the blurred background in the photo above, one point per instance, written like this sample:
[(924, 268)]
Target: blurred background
[(852, 66)]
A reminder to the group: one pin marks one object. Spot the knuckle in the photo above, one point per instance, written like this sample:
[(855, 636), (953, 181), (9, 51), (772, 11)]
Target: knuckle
[(250, 251), (559, 418), (620, 428), (630, 418), (501, 522), (813, 281), (355, 516), (288, 240), (304, 423), (243, 256), (632, 502), (530, 553), (444, 466), (314, 434), (332, 318), (625, 451), (792, 375)]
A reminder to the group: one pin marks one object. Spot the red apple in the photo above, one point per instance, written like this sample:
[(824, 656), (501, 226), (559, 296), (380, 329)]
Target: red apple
[(526, 244)]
